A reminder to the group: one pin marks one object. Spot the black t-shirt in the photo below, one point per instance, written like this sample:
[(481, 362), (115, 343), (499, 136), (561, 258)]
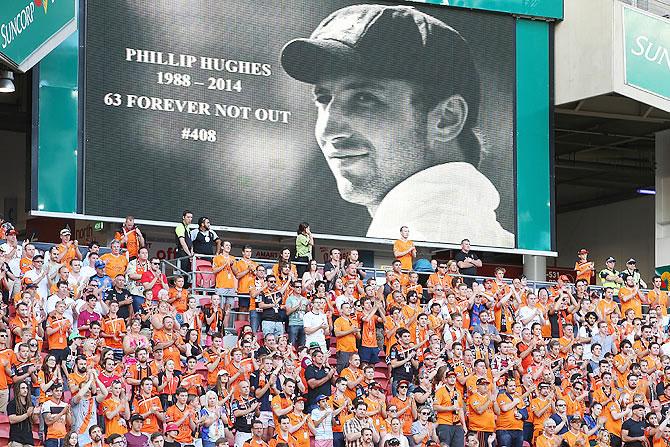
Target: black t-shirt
[(272, 313), (124, 294), (21, 432), (314, 372), (257, 380), (635, 429), (403, 372), (328, 266), (171, 444), (243, 423), (460, 256)]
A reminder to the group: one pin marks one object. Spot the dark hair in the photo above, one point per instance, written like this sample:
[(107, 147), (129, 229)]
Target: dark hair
[(202, 220), (92, 427), (185, 213), (302, 227)]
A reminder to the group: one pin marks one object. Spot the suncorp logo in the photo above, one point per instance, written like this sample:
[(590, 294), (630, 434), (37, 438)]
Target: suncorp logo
[(21, 21), (651, 51)]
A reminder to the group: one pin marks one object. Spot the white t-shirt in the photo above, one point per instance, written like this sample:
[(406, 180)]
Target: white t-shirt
[(525, 312), (51, 306), (325, 429), (311, 320), (42, 286)]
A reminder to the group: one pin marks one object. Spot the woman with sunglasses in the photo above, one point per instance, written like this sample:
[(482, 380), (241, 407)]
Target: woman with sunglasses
[(406, 406), (423, 430)]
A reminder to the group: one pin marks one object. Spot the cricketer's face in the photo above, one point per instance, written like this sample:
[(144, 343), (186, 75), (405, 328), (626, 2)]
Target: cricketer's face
[(370, 133)]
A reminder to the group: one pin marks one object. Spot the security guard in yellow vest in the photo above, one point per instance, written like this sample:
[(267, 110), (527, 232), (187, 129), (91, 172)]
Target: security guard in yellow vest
[(609, 276)]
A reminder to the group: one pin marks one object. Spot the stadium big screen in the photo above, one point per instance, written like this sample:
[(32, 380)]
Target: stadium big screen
[(356, 117)]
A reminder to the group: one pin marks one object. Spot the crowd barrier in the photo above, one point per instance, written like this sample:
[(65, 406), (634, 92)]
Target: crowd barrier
[(173, 267)]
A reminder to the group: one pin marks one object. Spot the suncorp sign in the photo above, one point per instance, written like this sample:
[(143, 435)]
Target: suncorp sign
[(29, 29), (647, 52)]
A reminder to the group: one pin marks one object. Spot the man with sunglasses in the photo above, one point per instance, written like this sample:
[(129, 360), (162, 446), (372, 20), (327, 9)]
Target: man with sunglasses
[(273, 309), (154, 279)]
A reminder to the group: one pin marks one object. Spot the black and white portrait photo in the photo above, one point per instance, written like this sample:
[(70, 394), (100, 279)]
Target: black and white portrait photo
[(359, 117)]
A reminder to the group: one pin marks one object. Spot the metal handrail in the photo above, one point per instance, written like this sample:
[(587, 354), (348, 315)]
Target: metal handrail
[(378, 273)]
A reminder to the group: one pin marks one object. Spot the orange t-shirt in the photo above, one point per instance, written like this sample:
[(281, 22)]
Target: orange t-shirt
[(656, 299), (584, 270), (543, 441), (480, 422), (301, 434), (132, 242), (116, 264), (171, 352), (406, 418), (58, 340), (338, 421), (9, 356), (345, 343), (225, 279), (70, 254), (446, 398), (17, 322), (634, 303), (184, 435), (112, 425), (351, 376), (181, 299), (143, 406), (58, 429), (114, 326), (506, 419), (405, 260), (244, 283)]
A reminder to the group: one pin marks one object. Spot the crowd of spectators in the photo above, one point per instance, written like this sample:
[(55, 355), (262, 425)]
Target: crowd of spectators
[(104, 349)]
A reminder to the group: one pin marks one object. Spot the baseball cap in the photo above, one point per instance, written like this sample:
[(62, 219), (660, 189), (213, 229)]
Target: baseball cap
[(543, 385), (321, 397), (100, 264), (136, 417), (573, 418), (638, 406), (171, 427), (385, 41), (11, 232), (631, 261), (74, 335), (299, 399), (65, 231), (610, 259), (403, 382), (583, 251)]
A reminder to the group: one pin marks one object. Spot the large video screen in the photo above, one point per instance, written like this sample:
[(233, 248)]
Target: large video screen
[(357, 117)]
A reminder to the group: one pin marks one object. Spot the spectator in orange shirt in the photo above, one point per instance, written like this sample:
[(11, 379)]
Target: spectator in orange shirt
[(181, 414), (404, 249), (130, 237), (347, 332), (245, 272), (584, 269), (115, 262), (67, 249)]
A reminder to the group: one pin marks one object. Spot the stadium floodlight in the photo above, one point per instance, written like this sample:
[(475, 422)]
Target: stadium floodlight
[(7, 82)]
